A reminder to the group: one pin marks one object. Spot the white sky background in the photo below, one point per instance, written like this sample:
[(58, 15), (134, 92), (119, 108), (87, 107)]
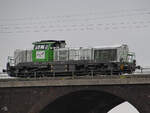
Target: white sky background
[(135, 33)]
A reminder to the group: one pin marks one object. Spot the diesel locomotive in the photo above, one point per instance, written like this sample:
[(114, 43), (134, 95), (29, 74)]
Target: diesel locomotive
[(53, 58)]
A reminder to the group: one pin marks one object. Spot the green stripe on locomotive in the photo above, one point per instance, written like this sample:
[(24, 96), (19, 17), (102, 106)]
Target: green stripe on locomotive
[(42, 52)]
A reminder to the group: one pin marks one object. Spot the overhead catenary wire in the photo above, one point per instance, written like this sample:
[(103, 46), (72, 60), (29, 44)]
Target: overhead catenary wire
[(86, 23), (67, 16)]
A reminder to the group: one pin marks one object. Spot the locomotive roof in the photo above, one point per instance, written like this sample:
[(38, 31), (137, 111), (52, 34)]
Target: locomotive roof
[(111, 46), (48, 41)]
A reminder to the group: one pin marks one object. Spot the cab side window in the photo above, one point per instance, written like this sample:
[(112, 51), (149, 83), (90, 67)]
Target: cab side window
[(41, 47)]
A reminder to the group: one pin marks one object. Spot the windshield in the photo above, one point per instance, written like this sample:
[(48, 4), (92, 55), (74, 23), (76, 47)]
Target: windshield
[(131, 57), (41, 47)]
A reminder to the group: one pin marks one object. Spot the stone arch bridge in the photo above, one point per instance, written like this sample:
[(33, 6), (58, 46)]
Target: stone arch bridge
[(97, 94)]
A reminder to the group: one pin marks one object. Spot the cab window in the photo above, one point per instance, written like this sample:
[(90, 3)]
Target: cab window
[(46, 46), (41, 47)]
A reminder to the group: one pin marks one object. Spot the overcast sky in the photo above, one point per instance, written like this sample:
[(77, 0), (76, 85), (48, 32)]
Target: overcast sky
[(82, 23)]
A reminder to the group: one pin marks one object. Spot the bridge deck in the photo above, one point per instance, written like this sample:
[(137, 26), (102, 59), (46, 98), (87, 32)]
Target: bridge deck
[(76, 80)]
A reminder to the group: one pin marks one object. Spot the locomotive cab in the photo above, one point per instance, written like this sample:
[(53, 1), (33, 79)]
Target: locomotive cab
[(43, 50)]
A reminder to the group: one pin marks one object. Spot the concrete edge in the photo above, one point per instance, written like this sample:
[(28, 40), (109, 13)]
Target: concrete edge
[(75, 82)]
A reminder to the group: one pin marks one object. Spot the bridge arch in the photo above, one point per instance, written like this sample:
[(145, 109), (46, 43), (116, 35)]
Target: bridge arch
[(84, 101)]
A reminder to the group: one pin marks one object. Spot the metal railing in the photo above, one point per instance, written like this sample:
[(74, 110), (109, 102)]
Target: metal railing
[(91, 75)]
